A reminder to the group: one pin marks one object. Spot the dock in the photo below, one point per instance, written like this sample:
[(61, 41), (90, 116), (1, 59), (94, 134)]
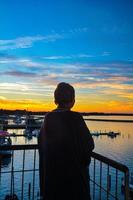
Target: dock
[(110, 133)]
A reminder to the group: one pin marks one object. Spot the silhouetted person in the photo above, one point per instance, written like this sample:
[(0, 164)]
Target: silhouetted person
[(65, 146)]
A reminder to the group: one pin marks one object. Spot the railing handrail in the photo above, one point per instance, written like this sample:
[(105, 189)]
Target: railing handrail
[(109, 161), (95, 155), (19, 147)]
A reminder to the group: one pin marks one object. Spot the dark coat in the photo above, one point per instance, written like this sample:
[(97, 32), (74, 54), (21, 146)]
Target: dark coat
[(65, 145)]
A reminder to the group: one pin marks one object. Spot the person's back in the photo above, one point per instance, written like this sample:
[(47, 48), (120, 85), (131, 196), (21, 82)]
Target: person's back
[(65, 145)]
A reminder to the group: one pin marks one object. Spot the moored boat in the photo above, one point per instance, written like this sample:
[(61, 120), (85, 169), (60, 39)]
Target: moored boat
[(35, 132), (95, 133), (27, 133), (113, 134), (5, 140), (17, 120), (110, 133)]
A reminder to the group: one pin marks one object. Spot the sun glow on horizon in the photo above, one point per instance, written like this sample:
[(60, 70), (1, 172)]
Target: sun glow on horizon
[(113, 106)]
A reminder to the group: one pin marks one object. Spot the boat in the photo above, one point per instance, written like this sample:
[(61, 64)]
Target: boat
[(3, 122), (95, 134), (5, 140), (27, 133), (17, 120), (35, 132), (5, 161), (113, 134)]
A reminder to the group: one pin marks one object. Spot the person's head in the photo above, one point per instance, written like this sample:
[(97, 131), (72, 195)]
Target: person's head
[(64, 95)]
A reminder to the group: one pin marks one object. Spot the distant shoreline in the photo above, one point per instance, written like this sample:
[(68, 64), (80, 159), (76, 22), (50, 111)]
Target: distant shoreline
[(23, 112), (110, 120)]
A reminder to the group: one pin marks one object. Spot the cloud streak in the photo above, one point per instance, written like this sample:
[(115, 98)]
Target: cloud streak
[(83, 72), (28, 41), (67, 57), (20, 74)]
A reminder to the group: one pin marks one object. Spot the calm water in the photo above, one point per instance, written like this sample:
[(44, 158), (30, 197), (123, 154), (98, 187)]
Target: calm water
[(119, 148)]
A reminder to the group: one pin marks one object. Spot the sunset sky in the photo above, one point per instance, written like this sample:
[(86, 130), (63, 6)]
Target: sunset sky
[(87, 43)]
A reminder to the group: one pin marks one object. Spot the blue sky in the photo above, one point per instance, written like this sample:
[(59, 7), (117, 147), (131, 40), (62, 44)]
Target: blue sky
[(86, 43)]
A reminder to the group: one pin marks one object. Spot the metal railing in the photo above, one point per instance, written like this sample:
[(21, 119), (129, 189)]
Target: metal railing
[(103, 172), (24, 189), (106, 178)]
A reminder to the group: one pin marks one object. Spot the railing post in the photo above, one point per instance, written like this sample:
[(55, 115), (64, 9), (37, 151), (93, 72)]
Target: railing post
[(12, 175), (29, 191), (94, 174), (100, 192), (22, 192), (108, 182), (34, 174), (127, 185)]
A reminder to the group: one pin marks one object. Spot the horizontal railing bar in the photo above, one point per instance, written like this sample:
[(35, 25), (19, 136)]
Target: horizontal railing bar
[(95, 155), (19, 147), (109, 161), (16, 171)]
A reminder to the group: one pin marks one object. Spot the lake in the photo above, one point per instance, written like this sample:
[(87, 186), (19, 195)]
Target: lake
[(119, 148)]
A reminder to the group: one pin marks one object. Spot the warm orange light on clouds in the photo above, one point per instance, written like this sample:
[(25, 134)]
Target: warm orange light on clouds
[(105, 106), (26, 105), (85, 106), (90, 97)]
